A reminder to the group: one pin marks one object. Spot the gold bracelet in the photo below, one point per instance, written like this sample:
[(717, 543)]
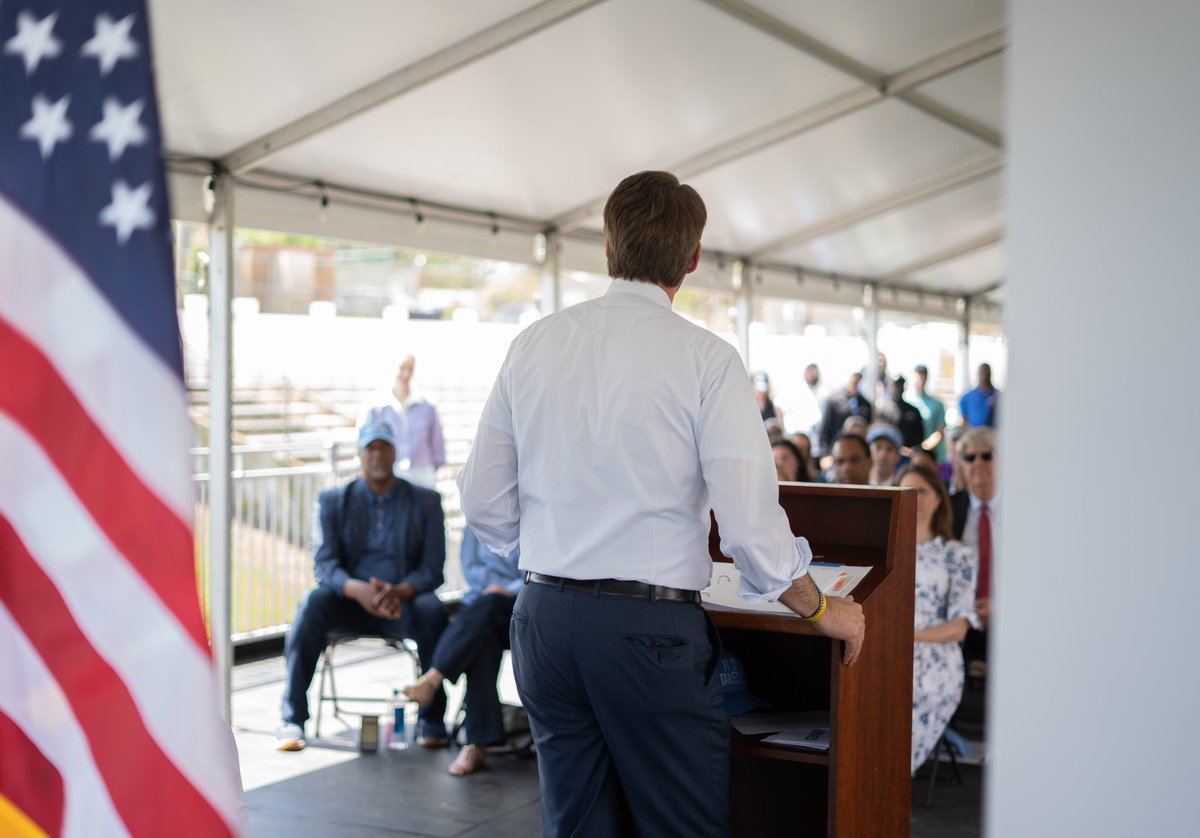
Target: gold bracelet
[(820, 612)]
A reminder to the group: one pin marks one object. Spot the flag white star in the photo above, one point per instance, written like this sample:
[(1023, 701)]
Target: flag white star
[(120, 127), (129, 210), (111, 42), (34, 40), (49, 125)]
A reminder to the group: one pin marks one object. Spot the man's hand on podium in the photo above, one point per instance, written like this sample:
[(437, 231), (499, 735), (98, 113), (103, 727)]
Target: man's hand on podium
[(844, 620)]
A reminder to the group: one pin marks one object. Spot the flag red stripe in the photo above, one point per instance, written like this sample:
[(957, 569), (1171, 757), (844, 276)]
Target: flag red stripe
[(148, 792), (144, 530), (29, 780)]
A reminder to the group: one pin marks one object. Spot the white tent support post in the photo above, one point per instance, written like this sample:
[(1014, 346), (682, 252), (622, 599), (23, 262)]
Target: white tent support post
[(220, 440), (871, 372), (549, 252), (964, 347), (744, 304)]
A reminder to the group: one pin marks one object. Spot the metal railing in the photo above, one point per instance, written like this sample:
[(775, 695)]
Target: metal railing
[(274, 519)]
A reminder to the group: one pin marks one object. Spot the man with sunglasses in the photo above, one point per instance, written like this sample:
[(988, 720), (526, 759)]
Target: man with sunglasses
[(975, 514)]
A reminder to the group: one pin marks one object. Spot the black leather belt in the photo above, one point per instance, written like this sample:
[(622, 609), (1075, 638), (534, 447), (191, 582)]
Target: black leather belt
[(616, 587)]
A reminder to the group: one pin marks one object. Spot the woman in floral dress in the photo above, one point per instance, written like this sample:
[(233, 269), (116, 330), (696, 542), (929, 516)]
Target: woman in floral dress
[(945, 607)]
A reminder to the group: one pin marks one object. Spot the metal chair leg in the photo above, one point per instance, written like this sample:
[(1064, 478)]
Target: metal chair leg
[(329, 669), (942, 743), (326, 670), (933, 769)]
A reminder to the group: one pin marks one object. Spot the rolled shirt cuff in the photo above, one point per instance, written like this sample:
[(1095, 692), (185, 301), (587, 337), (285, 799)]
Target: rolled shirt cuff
[(753, 595)]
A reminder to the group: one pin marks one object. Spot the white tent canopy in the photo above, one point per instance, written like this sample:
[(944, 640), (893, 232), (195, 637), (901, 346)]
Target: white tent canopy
[(847, 152), (836, 144)]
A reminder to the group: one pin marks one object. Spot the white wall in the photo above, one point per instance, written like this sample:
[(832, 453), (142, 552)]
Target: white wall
[(1096, 663)]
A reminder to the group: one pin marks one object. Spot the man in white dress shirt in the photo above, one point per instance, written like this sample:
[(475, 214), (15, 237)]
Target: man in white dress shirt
[(613, 427)]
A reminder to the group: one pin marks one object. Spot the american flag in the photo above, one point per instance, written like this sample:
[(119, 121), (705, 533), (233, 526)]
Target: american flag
[(109, 718)]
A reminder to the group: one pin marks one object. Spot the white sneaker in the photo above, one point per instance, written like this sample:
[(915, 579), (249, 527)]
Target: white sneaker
[(290, 737)]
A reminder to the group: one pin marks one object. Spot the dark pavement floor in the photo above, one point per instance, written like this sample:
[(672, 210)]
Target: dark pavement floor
[(331, 789)]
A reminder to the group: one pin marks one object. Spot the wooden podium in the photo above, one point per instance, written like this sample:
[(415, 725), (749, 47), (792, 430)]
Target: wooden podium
[(862, 786)]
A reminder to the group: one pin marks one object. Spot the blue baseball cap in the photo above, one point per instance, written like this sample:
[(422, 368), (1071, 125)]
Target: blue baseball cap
[(884, 431), (732, 677), (376, 431)]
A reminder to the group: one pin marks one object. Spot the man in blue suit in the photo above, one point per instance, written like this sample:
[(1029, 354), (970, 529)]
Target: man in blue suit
[(380, 557)]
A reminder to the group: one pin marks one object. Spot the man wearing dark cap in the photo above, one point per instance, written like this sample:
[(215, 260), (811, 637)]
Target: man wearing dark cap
[(380, 556)]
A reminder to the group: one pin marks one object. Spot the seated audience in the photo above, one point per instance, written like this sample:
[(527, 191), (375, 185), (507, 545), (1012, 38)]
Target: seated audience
[(945, 598), (803, 443), (774, 430), (856, 425), (851, 460), (949, 471), (381, 554), (975, 513), (921, 457), (473, 645), (789, 462), (885, 442)]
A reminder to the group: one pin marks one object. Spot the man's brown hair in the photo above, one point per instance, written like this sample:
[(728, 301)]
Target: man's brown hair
[(652, 225)]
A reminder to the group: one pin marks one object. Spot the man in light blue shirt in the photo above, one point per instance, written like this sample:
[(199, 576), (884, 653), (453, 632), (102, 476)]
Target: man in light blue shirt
[(473, 645)]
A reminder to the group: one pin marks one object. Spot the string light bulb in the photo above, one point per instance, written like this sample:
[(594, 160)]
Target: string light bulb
[(418, 216), (323, 214)]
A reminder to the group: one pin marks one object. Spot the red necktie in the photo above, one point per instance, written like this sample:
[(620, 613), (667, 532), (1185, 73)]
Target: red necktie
[(985, 553)]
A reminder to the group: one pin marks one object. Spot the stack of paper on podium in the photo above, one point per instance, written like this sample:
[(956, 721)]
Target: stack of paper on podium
[(832, 579)]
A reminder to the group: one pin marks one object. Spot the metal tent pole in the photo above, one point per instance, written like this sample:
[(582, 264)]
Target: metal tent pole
[(220, 439)]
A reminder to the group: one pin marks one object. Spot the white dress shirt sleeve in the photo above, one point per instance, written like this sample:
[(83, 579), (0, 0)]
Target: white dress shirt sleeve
[(738, 469), (488, 481)]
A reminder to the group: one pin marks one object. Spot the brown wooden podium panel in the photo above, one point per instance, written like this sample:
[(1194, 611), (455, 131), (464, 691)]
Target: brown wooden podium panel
[(861, 787)]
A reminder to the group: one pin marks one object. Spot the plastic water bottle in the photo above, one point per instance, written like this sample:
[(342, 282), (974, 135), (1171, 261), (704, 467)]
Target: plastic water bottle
[(399, 738)]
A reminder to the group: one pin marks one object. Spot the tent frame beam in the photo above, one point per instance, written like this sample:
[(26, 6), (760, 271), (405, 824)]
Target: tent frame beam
[(916, 193), (826, 54), (950, 254), (823, 114), (454, 57)]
